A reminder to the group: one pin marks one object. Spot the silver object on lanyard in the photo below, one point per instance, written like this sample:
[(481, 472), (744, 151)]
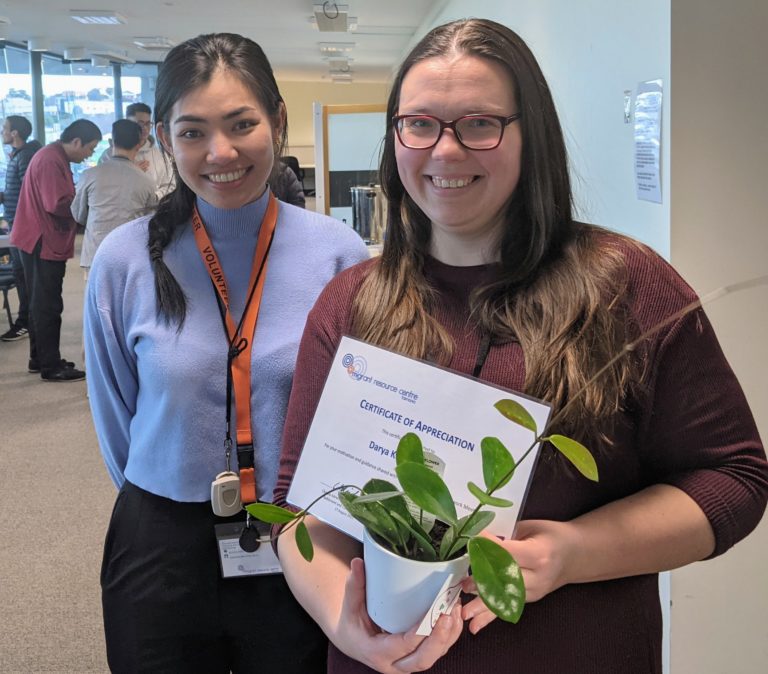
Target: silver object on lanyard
[(225, 490)]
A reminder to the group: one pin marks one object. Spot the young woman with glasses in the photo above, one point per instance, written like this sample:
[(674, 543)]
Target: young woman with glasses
[(481, 243)]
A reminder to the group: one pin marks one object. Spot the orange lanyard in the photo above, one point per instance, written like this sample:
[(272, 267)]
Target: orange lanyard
[(240, 338)]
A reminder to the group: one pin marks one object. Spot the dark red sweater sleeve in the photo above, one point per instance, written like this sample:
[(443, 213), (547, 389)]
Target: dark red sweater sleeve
[(695, 431)]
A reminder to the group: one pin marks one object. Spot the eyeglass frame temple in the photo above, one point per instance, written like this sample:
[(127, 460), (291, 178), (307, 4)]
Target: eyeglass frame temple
[(451, 124)]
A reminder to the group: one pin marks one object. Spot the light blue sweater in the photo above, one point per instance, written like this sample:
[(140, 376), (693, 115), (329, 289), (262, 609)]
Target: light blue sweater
[(158, 396)]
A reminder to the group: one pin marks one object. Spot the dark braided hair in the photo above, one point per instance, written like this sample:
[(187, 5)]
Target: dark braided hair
[(186, 67)]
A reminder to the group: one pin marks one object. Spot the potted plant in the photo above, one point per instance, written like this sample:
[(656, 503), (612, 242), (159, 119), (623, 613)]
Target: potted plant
[(415, 527), (391, 525)]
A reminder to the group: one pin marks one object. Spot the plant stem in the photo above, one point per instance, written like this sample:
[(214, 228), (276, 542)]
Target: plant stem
[(628, 348), (301, 515)]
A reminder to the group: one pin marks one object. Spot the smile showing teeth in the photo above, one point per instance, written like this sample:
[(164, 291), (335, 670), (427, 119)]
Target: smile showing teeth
[(226, 177), (451, 183)]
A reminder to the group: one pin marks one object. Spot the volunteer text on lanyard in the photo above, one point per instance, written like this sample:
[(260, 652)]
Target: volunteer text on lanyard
[(240, 339)]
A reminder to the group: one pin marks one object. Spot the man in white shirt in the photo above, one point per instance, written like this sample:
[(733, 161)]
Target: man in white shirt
[(150, 158)]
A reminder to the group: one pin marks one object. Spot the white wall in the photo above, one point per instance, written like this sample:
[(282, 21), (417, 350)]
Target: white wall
[(720, 236), (590, 52)]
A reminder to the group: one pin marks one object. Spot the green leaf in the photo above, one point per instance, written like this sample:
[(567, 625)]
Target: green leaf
[(376, 486), (376, 518), (304, 542), (270, 513), (378, 497), (476, 522), (577, 454), (487, 499), (498, 464), (420, 536), (409, 449), (514, 411), (394, 501), (449, 540), (427, 490), (498, 578)]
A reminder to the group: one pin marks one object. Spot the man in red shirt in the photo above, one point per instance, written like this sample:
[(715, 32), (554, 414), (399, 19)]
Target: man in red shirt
[(44, 232)]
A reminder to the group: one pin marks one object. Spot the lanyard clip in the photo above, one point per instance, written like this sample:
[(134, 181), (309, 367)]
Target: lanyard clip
[(247, 473)]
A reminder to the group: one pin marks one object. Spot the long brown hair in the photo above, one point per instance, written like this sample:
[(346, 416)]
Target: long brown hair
[(556, 291)]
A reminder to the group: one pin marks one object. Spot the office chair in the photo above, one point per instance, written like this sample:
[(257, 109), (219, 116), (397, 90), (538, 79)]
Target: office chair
[(293, 164), (7, 282)]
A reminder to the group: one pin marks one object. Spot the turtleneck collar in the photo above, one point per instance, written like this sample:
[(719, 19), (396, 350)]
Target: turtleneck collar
[(458, 281), (233, 223)]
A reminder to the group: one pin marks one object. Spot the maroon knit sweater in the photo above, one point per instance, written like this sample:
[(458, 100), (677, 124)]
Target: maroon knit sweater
[(692, 428)]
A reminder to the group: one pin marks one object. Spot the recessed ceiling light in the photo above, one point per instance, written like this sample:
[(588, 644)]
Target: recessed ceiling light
[(341, 78), (158, 43), (331, 48), (103, 17)]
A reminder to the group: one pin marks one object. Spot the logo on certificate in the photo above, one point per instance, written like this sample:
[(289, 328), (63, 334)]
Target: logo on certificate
[(355, 366)]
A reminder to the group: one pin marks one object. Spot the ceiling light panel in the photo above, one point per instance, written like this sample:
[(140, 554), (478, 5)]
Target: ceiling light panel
[(98, 17), (333, 48), (154, 43)]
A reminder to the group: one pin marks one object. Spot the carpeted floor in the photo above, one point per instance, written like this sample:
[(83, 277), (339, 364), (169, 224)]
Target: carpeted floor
[(55, 502)]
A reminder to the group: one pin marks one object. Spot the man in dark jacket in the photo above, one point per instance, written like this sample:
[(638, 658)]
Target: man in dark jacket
[(16, 131), (44, 231)]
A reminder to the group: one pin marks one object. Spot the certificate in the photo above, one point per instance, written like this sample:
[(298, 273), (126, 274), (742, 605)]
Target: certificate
[(372, 397)]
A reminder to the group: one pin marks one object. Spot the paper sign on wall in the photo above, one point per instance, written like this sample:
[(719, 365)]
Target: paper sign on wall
[(648, 114)]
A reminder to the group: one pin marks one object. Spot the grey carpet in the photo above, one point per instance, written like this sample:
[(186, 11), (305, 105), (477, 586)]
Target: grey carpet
[(55, 502)]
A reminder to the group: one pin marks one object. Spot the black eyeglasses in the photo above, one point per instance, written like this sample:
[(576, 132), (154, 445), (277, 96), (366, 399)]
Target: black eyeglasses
[(475, 132)]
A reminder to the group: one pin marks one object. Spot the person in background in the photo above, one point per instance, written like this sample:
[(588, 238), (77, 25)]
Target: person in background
[(16, 132), (150, 158), (287, 187), (113, 192), (44, 231), (204, 300), (482, 250)]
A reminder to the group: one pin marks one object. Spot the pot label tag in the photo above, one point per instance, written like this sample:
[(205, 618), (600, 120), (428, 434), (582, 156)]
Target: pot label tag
[(445, 601)]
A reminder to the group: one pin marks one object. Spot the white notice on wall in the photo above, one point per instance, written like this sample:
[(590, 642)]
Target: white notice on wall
[(648, 109)]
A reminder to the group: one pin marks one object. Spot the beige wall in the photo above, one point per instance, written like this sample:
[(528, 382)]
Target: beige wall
[(299, 97), (719, 230)]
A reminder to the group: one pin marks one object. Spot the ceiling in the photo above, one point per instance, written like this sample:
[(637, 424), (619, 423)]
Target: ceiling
[(385, 30)]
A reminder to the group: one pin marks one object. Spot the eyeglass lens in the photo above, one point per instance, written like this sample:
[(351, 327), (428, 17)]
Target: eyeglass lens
[(477, 132)]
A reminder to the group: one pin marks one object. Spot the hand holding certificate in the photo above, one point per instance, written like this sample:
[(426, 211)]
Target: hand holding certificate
[(367, 432)]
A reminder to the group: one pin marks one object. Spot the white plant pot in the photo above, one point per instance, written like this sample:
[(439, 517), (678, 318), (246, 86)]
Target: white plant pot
[(400, 591)]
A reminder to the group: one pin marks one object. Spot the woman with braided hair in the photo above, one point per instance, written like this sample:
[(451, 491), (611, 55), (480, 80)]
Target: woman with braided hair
[(192, 322)]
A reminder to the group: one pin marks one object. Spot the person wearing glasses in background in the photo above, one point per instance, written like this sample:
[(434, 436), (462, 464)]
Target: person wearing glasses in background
[(150, 157), (482, 248)]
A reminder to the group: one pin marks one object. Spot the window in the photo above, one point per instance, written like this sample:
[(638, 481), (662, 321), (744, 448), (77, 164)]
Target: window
[(78, 90), (137, 81), (15, 93)]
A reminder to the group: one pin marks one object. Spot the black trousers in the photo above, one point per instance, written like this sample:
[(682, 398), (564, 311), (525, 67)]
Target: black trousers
[(168, 610), (22, 318), (45, 280)]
